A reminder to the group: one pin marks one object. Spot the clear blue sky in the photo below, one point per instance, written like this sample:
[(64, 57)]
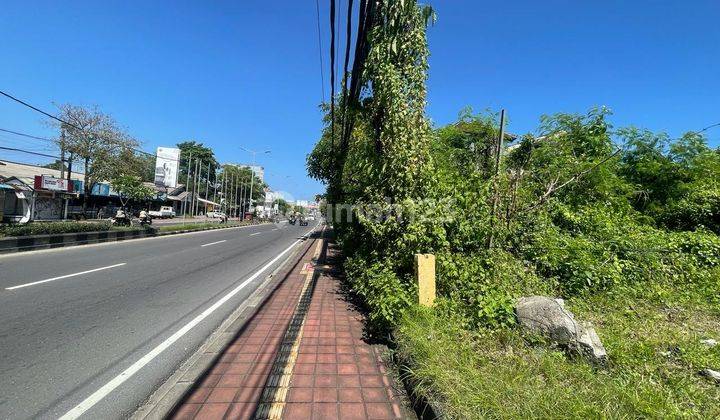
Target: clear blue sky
[(246, 73)]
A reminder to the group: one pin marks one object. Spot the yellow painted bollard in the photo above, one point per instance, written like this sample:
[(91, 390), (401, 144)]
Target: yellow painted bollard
[(425, 276)]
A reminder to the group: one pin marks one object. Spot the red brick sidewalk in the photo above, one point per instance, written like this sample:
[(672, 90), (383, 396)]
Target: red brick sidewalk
[(338, 375), (298, 361)]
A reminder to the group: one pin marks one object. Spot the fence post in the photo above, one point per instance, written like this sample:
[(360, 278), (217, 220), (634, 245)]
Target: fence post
[(425, 277)]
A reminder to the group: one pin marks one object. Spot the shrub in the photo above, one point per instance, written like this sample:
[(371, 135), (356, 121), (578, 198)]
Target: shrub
[(49, 228), (384, 293)]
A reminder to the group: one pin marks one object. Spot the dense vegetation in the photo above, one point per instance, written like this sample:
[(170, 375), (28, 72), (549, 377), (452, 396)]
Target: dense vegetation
[(622, 222)]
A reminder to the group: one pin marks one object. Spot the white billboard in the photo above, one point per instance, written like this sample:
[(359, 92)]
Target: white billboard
[(51, 183), (166, 166)]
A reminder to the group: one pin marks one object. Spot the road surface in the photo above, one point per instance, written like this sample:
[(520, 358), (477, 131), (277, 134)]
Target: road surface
[(75, 321)]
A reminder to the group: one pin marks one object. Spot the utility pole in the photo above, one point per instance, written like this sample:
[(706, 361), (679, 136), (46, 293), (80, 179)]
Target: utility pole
[(187, 186), (242, 195), (195, 182), (62, 153), (224, 189), (207, 183), (215, 184), (62, 170), (235, 195)]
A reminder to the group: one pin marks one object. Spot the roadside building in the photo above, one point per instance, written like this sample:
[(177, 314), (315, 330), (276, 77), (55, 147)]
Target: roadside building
[(32, 192)]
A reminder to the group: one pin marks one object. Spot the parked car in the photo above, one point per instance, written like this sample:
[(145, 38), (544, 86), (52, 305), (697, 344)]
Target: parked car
[(165, 212), (216, 215)]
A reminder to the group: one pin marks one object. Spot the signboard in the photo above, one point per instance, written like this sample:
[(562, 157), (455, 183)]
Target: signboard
[(166, 166), (47, 182)]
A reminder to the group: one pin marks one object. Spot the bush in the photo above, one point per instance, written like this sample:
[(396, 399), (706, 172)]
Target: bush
[(483, 287), (384, 293), (50, 228)]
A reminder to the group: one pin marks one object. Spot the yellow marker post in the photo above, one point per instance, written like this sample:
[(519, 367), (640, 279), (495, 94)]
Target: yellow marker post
[(425, 276)]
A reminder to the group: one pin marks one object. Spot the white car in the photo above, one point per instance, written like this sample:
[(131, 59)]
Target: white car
[(215, 215), (163, 213)]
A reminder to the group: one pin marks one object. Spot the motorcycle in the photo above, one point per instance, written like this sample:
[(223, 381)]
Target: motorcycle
[(121, 219), (145, 219)]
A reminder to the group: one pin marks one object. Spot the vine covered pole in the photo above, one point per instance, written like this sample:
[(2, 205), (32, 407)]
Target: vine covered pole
[(496, 189)]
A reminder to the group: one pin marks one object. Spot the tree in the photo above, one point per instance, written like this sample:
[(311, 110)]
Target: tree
[(57, 165), (96, 140), (130, 188), (282, 205)]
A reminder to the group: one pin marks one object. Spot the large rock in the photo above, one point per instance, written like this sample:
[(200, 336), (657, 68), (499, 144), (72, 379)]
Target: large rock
[(711, 374), (548, 317)]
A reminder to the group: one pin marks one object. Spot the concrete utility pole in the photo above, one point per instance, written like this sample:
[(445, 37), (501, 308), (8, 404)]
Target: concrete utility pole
[(235, 195), (187, 187), (62, 153), (243, 199), (195, 185), (207, 183)]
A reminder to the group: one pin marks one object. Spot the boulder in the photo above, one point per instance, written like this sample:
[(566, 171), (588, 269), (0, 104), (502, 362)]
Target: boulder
[(709, 342), (711, 374), (548, 317)]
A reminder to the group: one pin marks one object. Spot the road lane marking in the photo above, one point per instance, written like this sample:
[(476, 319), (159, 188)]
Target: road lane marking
[(20, 286), (109, 387), (256, 233), (213, 243)]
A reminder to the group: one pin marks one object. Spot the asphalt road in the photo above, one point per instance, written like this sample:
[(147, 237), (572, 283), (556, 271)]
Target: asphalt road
[(65, 336)]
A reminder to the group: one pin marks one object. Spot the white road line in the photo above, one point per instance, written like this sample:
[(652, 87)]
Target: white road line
[(213, 243), (256, 233), (63, 277), (106, 389)]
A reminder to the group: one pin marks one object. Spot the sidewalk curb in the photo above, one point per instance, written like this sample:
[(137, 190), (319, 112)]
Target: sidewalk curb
[(166, 398)]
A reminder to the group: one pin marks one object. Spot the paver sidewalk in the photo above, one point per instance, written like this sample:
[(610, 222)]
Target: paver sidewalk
[(338, 374), (302, 356)]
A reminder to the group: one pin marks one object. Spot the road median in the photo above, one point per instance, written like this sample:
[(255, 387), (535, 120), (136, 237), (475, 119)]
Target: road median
[(15, 244)]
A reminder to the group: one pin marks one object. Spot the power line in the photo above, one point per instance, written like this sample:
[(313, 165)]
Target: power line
[(708, 127), (332, 80), (20, 101), (38, 110), (320, 49), (26, 135), (30, 152)]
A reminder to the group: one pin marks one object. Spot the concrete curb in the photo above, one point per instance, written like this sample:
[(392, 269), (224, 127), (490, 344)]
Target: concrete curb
[(164, 400), (14, 244)]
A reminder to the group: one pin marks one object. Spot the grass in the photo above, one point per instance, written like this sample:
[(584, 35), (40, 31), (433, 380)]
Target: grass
[(655, 356)]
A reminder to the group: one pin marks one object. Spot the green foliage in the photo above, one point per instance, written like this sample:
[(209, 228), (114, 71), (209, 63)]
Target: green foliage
[(131, 188), (282, 205), (57, 165), (385, 294), (482, 288), (567, 213), (52, 228)]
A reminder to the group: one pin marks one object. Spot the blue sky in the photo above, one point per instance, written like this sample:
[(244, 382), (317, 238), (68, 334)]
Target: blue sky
[(246, 73)]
